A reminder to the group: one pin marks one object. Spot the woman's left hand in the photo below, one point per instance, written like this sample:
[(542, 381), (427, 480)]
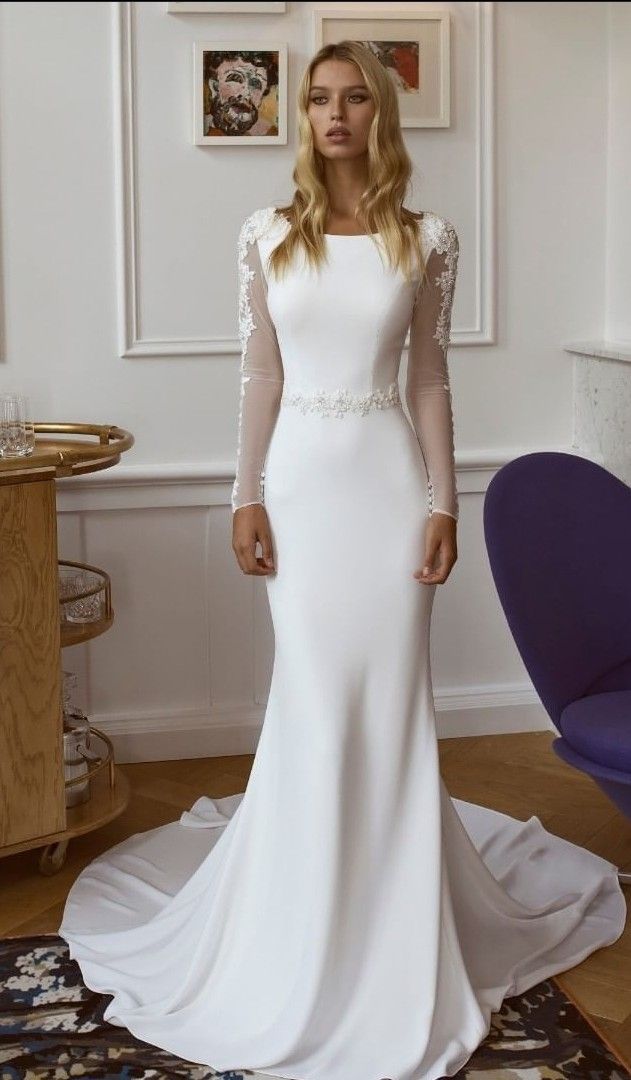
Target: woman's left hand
[(441, 550)]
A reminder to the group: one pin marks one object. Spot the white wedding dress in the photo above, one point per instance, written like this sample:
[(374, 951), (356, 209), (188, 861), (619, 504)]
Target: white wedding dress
[(344, 918)]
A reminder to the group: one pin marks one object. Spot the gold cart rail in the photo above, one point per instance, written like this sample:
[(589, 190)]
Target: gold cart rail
[(64, 454)]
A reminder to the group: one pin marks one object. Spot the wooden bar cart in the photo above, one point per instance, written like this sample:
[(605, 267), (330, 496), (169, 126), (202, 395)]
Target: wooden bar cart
[(33, 811)]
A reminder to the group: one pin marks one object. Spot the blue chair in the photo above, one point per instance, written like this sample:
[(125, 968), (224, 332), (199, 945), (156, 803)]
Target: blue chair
[(557, 528)]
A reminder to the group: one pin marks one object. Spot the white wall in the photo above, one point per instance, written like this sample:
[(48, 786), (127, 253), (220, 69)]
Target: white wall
[(618, 311), (602, 379), (185, 669)]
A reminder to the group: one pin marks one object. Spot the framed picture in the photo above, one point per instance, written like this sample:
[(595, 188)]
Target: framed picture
[(412, 45), (239, 93), (190, 7)]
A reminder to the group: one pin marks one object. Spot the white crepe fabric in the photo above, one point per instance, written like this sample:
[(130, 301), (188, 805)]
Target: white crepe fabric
[(344, 918)]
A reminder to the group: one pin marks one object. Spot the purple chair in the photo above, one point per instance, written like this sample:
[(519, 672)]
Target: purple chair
[(557, 528)]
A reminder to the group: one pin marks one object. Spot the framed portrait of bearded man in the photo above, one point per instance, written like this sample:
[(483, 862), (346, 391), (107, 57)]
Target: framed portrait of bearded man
[(239, 93)]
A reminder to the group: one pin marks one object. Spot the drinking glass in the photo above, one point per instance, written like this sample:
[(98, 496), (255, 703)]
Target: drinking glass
[(17, 435)]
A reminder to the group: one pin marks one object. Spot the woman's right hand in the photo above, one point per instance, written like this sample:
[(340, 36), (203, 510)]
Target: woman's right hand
[(250, 524)]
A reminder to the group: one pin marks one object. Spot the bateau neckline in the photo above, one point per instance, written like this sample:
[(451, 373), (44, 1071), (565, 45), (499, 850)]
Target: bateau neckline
[(351, 236)]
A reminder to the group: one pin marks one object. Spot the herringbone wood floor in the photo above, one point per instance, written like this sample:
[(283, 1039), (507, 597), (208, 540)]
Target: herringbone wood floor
[(516, 774)]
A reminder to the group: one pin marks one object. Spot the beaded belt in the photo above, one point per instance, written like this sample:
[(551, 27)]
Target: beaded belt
[(339, 402)]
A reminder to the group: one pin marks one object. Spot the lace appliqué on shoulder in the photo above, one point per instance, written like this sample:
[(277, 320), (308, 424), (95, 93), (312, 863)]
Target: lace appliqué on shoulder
[(342, 401), (441, 235), (253, 227)]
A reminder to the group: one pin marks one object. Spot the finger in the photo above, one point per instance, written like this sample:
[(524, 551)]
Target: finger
[(443, 564), (266, 548), (263, 567), (427, 571)]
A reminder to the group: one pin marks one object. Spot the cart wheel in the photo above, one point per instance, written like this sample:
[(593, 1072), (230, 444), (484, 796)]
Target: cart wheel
[(53, 857)]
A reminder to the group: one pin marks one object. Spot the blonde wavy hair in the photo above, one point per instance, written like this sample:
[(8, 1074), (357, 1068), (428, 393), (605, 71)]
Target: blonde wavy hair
[(380, 208)]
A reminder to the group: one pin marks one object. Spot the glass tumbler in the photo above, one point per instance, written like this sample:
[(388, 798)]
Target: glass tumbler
[(17, 434)]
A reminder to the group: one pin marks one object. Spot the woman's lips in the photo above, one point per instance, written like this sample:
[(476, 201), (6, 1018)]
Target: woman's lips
[(338, 136)]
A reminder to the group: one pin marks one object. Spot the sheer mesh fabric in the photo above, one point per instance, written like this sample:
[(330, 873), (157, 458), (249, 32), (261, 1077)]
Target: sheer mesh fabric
[(427, 391), (261, 383)]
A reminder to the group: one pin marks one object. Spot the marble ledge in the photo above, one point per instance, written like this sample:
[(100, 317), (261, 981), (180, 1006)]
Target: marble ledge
[(601, 350)]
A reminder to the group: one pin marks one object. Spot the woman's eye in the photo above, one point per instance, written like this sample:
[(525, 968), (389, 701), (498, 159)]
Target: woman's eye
[(356, 97)]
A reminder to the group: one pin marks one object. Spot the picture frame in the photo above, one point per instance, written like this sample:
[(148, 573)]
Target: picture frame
[(259, 71), (189, 7), (413, 45)]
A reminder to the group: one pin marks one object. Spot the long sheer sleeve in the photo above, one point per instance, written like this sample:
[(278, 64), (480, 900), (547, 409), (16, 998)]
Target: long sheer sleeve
[(427, 391), (261, 370)]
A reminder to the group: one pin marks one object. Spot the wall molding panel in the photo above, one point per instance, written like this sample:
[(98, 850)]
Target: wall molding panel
[(133, 343)]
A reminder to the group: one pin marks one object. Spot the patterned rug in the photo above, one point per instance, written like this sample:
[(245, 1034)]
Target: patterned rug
[(52, 1028)]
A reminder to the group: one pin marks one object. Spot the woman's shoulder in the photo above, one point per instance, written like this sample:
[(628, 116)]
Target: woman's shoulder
[(437, 232), (260, 223)]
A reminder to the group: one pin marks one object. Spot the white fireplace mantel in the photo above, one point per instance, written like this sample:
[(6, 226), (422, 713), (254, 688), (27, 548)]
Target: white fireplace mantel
[(601, 350)]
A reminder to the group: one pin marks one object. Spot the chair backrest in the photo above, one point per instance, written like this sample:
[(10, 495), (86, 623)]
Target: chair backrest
[(557, 528)]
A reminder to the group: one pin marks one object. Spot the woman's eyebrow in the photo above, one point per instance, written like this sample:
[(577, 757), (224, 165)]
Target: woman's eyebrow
[(355, 86)]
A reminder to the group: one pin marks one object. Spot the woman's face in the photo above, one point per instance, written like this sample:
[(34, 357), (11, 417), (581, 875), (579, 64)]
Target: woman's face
[(339, 97)]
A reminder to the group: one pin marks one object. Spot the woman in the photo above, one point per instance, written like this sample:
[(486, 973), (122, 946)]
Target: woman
[(344, 918)]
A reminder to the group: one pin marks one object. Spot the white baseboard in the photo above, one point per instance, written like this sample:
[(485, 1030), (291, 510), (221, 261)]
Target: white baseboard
[(233, 730)]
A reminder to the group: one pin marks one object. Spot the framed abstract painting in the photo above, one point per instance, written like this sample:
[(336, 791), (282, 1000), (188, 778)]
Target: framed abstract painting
[(412, 45), (239, 93)]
